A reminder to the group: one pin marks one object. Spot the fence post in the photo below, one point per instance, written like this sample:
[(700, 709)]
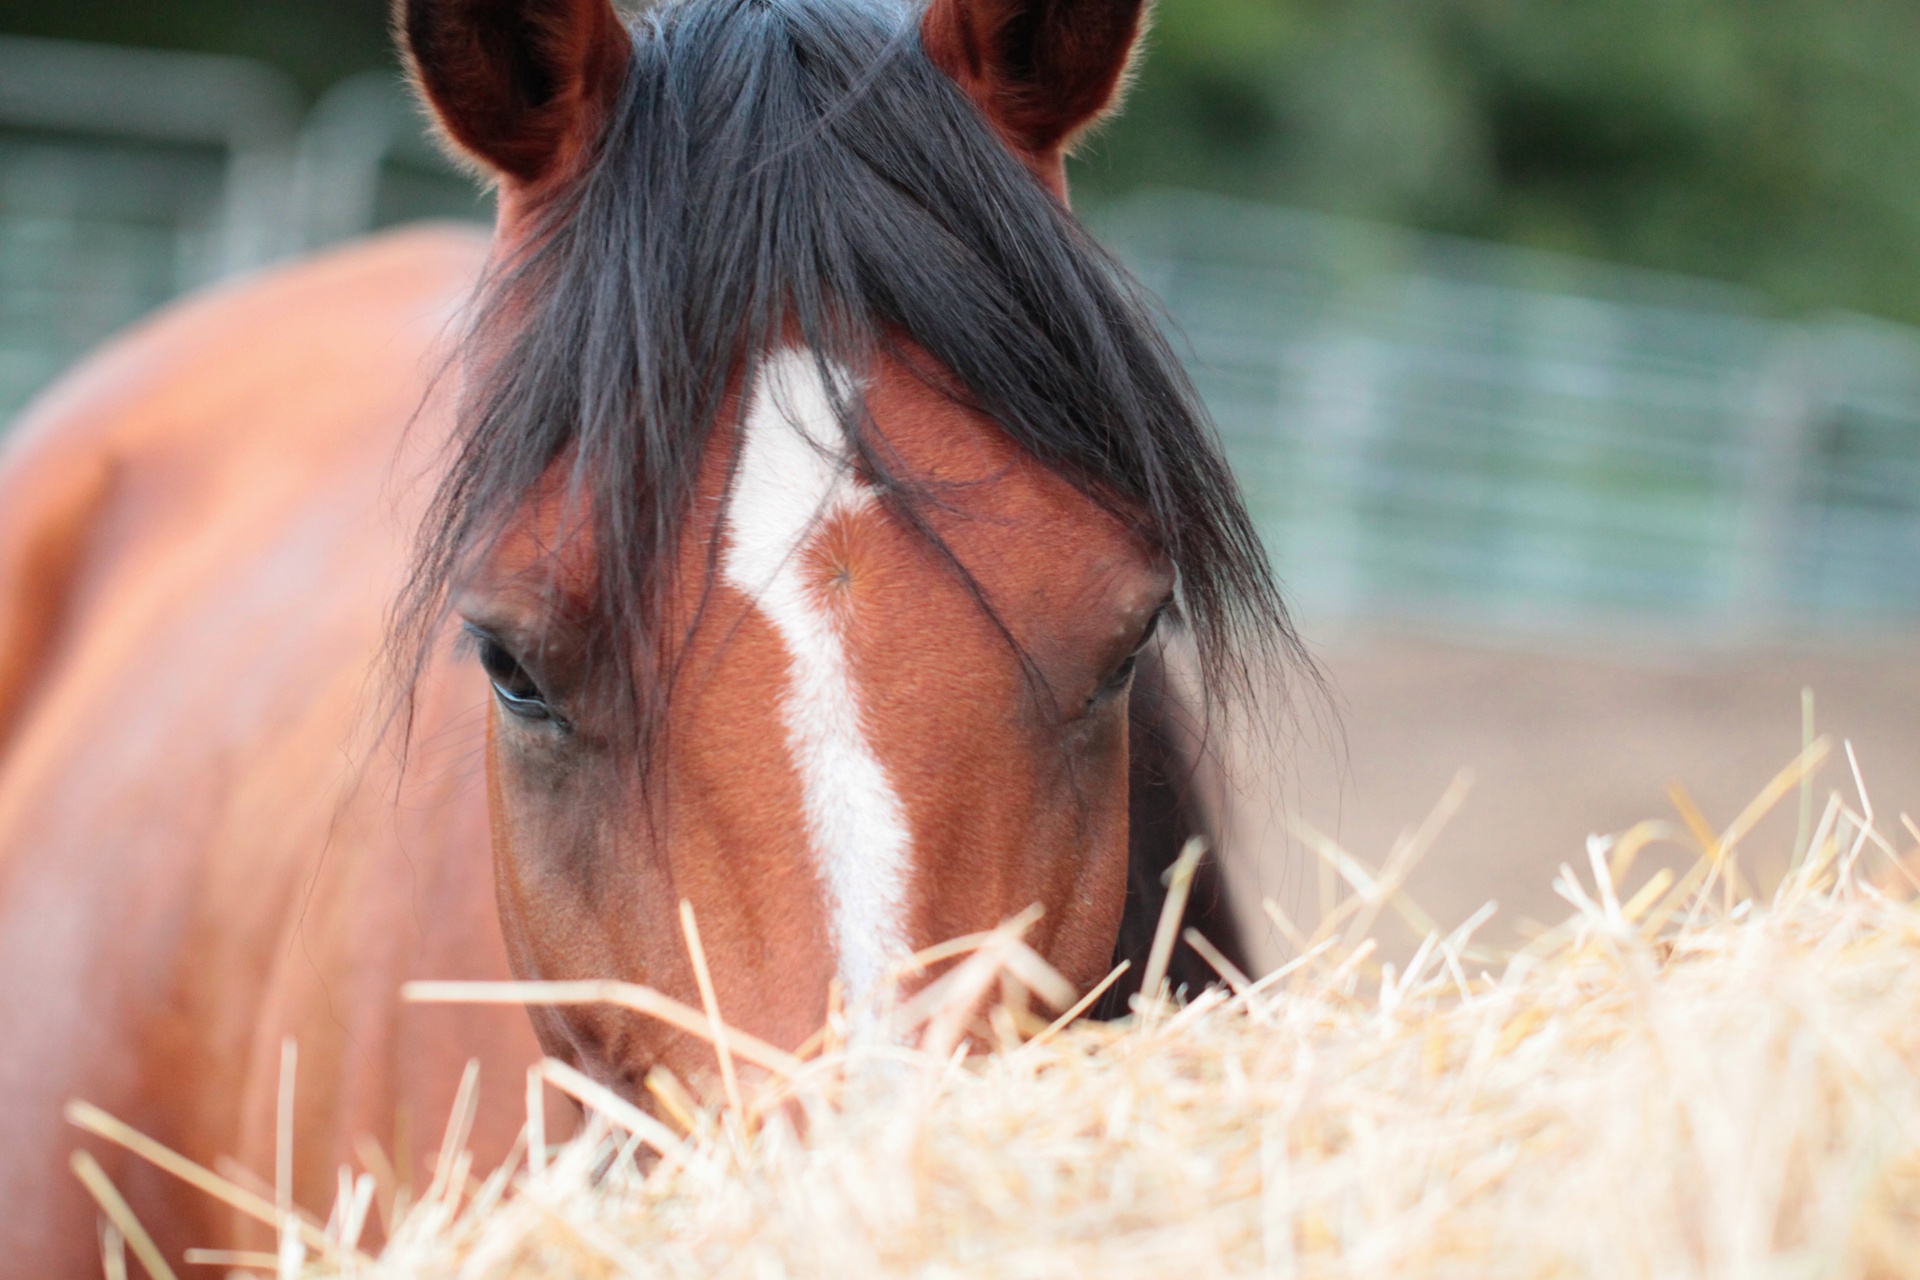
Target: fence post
[(1770, 473), (1334, 421)]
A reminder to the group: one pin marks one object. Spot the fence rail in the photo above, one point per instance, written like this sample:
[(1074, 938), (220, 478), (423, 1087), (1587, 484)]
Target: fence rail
[(1494, 438), (129, 176), (1427, 428)]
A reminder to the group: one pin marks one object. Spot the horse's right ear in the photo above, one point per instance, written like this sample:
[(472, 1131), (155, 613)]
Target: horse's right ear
[(523, 86), (1041, 71)]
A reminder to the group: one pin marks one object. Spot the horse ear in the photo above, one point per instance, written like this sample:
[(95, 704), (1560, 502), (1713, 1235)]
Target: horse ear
[(521, 85), (1041, 70)]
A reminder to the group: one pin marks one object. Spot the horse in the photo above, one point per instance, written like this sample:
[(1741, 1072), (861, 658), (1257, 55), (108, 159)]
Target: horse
[(789, 511)]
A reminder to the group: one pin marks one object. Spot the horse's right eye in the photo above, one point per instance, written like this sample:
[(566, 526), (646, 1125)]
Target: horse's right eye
[(511, 684)]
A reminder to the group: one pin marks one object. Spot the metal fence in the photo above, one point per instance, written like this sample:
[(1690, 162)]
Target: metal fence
[(129, 176), (1495, 439), (1427, 428)]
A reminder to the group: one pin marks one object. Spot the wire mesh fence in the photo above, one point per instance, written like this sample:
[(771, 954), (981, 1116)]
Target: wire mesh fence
[(130, 176), (1427, 428), (1497, 439)]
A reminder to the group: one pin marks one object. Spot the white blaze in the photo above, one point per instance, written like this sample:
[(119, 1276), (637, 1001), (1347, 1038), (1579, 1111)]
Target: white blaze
[(795, 476)]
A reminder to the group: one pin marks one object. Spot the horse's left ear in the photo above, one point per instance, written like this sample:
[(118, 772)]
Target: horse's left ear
[(524, 86), (1041, 70)]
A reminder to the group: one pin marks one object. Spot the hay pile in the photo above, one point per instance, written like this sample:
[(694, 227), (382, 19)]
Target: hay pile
[(1684, 1079)]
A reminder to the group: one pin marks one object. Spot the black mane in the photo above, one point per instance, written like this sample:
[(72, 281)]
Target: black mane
[(799, 168)]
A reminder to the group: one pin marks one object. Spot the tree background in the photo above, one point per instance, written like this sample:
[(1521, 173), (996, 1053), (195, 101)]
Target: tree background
[(1773, 143)]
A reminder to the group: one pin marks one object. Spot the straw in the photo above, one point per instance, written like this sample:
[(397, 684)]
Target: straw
[(1677, 1080), (626, 995), (120, 1216), (1179, 884), (95, 1121), (710, 1003)]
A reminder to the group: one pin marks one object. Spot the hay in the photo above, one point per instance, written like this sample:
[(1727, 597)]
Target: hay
[(1680, 1080)]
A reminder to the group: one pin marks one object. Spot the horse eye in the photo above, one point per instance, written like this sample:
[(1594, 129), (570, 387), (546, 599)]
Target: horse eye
[(1152, 628), (1124, 672), (515, 688)]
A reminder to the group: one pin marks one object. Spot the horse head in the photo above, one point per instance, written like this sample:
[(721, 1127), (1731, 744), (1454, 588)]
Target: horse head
[(818, 489)]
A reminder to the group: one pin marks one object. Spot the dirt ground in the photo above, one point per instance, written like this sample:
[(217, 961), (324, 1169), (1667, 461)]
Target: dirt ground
[(1560, 747)]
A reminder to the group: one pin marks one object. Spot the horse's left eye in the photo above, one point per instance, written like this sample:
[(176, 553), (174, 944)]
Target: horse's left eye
[(1123, 673), (517, 691)]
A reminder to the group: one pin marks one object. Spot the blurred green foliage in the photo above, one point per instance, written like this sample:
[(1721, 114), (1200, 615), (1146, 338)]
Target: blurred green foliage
[(318, 42), (1772, 142)]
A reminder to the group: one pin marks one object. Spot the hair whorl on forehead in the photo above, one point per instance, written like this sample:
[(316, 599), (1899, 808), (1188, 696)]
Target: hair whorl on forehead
[(780, 168)]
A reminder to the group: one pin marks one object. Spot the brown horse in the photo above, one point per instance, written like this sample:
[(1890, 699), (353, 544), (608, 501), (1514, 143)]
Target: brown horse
[(807, 489)]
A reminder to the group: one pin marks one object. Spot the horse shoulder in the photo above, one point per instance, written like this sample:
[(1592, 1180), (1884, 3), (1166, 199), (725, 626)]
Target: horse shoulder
[(199, 533), (200, 379)]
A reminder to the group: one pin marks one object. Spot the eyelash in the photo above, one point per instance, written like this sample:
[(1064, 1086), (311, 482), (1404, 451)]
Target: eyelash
[(521, 696), (1124, 672), (518, 692)]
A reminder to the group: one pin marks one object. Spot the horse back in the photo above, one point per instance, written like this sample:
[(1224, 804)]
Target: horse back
[(203, 846)]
